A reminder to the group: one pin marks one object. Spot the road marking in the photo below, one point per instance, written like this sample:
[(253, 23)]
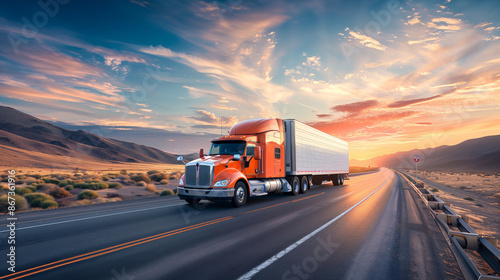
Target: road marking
[(111, 249), (133, 205), (129, 244), (94, 217), (276, 257)]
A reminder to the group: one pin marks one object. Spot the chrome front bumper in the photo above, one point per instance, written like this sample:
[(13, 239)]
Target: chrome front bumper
[(210, 194)]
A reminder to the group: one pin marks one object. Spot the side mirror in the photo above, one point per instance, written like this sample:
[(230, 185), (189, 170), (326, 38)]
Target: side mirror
[(180, 158), (201, 153), (237, 157), (258, 153)]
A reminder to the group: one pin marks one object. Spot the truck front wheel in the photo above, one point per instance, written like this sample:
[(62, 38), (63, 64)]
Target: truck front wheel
[(240, 195)]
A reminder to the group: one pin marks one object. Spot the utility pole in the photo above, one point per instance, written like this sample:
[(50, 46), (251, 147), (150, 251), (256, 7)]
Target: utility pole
[(416, 159)]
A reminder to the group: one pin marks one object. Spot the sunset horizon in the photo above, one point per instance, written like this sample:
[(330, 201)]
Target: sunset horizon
[(384, 76)]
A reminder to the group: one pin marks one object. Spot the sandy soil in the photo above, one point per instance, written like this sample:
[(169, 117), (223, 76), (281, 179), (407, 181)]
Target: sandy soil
[(475, 196)]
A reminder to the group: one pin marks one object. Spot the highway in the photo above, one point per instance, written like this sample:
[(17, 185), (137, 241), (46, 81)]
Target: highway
[(372, 227)]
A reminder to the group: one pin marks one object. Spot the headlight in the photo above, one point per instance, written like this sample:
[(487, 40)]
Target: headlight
[(221, 183), (181, 182)]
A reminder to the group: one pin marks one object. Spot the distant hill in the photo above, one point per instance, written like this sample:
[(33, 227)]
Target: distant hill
[(21, 134), (480, 154)]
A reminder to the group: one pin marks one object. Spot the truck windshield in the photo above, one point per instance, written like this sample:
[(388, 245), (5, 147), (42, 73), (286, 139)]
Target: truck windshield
[(227, 148)]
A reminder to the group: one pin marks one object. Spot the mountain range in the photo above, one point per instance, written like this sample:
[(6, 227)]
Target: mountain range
[(27, 139), (479, 154)]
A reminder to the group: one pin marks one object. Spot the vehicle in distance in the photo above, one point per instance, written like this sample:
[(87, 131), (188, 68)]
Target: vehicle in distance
[(262, 156)]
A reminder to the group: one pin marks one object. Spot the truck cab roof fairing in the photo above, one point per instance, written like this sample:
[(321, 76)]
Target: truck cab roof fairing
[(254, 126)]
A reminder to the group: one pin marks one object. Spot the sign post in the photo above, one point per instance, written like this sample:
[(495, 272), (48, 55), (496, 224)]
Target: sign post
[(416, 159)]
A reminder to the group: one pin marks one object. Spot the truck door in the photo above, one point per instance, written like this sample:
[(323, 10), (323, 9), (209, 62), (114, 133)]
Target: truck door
[(250, 164)]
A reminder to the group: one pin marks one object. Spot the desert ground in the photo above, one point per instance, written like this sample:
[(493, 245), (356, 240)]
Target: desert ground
[(473, 195)]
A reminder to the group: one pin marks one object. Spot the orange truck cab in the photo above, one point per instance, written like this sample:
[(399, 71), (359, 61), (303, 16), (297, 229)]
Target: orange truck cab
[(261, 156)]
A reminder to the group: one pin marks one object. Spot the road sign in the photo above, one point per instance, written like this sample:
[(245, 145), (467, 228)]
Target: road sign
[(416, 158)]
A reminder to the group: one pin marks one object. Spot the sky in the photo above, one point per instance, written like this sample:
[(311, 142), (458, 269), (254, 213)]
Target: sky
[(386, 76)]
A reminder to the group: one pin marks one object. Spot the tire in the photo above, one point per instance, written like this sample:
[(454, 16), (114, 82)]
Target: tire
[(240, 195), (335, 180), (341, 179), (295, 185), (304, 184)]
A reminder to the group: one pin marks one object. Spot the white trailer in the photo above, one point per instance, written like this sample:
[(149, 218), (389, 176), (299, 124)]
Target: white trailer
[(315, 154)]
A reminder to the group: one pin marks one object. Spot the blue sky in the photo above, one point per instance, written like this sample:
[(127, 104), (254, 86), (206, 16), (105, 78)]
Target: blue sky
[(384, 75)]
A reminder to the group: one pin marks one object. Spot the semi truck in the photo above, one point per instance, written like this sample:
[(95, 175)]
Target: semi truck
[(261, 156)]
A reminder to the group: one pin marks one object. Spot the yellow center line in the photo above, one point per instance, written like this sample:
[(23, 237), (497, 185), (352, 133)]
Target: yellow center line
[(111, 249), (93, 254)]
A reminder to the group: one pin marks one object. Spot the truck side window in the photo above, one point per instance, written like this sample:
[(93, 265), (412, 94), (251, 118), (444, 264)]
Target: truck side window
[(250, 150), (277, 153)]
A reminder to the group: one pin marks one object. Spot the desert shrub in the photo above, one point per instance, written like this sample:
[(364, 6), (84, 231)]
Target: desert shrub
[(167, 192), (140, 177), (128, 182), (435, 190), (6, 179), (4, 187), (88, 195), (49, 204), (164, 182), (105, 178), (469, 198), (153, 172), (91, 186), (175, 175), (21, 203), (22, 191), (30, 180), (46, 187), (65, 183), (113, 195), (50, 180), (123, 177), (69, 187), (158, 177), (141, 184), (115, 185), (151, 188), (59, 193), (36, 176), (32, 188), (497, 195), (123, 172), (36, 199)]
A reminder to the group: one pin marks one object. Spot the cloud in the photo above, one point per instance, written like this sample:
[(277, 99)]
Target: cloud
[(366, 41), (452, 24), (416, 42), (313, 61), (483, 24), (356, 107), (223, 107)]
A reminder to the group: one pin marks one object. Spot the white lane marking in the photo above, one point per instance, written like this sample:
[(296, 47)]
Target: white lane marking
[(94, 217), (274, 258)]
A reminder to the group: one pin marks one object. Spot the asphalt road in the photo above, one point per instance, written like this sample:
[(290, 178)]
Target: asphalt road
[(372, 227)]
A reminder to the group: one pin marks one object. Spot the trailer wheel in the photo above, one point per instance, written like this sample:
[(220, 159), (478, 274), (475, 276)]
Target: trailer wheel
[(335, 180), (304, 184), (240, 195), (295, 185), (341, 179)]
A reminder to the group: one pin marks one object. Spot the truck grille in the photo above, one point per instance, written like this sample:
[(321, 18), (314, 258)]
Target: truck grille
[(204, 178)]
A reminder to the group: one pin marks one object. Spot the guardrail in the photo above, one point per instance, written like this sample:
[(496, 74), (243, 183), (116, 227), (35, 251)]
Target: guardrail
[(467, 238)]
